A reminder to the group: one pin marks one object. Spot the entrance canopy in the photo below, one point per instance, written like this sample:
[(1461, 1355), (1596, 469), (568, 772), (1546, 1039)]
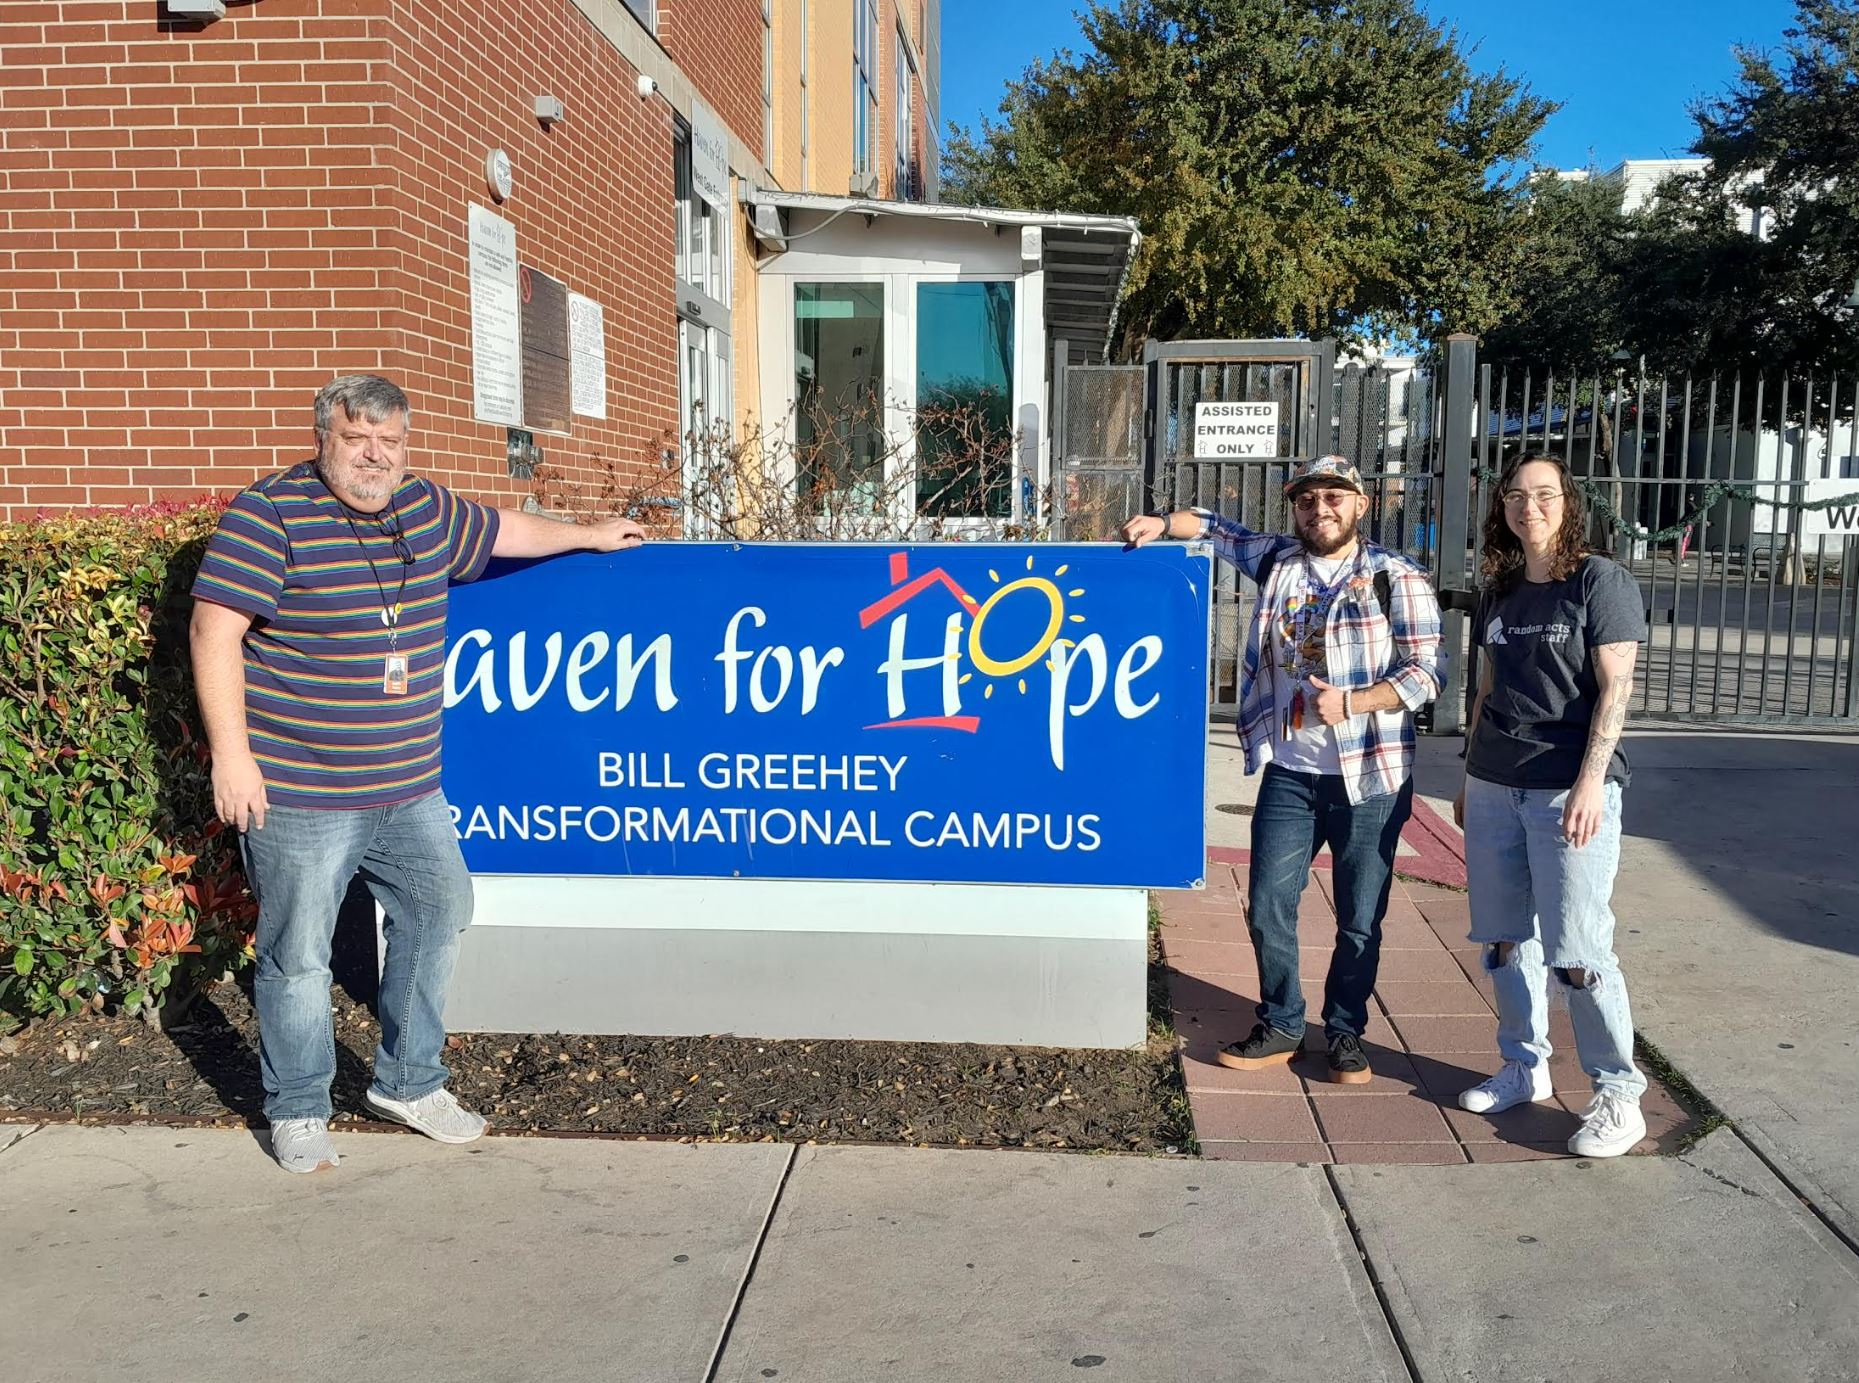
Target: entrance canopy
[(1085, 259)]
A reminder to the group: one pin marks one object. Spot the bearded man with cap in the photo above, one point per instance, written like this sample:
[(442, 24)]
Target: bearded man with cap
[(1345, 645)]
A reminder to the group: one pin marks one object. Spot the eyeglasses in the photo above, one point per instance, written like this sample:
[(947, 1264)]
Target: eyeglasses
[(402, 548), (1542, 499), (1306, 501)]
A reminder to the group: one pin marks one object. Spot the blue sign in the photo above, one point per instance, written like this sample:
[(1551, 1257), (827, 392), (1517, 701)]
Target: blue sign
[(953, 713)]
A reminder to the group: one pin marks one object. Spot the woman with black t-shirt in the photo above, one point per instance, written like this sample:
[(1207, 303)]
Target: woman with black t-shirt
[(1559, 630)]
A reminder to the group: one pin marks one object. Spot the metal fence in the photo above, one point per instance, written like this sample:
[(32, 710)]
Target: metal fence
[(1704, 487)]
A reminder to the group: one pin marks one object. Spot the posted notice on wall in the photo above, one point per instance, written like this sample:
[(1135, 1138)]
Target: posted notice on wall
[(496, 322), (587, 337), (957, 713), (709, 156), (1236, 430)]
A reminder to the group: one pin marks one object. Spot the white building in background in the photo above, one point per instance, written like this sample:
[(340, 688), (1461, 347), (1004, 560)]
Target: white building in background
[(1639, 180)]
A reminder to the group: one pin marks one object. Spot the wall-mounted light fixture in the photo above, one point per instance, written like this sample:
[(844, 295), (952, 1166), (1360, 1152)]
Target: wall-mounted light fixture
[(549, 110), (497, 173), (207, 10)]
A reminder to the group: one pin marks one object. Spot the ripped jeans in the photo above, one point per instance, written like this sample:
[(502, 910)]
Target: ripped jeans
[(1548, 903)]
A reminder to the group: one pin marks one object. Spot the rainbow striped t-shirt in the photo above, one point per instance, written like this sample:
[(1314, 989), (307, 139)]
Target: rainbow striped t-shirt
[(289, 553)]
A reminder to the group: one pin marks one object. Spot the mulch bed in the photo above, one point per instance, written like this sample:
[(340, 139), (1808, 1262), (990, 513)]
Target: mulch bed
[(204, 1068)]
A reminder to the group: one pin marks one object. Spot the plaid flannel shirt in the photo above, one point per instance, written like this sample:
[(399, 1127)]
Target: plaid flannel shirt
[(1405, 647)]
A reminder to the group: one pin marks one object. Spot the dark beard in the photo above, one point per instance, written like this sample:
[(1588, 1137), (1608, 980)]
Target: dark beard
[(1341, 541)]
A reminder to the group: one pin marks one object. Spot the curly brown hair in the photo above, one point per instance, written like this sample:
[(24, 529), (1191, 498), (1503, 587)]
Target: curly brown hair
[(1501, 566)]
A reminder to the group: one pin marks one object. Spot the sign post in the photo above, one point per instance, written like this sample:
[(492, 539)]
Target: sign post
[(911, 792)]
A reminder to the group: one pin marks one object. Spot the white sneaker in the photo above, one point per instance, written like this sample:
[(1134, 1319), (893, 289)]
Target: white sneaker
[(302, 1145), (1610, 1125), (435, 1114), (1513, 1085)]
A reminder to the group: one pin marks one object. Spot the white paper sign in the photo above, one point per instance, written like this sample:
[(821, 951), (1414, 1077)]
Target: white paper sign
[(496, 325), (709, 156), (1236, 429), (587, 338), (1839, 521)]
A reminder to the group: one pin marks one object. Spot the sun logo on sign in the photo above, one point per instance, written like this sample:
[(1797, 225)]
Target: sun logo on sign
[(1002, 667)]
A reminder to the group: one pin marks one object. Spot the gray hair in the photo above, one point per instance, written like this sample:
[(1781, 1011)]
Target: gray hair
[(366, 397)]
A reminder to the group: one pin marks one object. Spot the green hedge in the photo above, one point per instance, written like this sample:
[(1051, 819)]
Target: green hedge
[(117, 886)]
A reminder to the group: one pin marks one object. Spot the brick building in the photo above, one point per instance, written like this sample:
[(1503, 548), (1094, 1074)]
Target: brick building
[(571, 228), (204, 216)]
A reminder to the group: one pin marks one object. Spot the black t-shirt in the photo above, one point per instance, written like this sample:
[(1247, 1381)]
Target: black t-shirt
[(1534, 730)]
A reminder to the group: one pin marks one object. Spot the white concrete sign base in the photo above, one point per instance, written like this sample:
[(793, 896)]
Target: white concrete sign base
[(1053, 967)]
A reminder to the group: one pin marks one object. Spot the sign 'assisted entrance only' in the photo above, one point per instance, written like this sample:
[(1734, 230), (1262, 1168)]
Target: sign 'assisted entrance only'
[(1228, 430)]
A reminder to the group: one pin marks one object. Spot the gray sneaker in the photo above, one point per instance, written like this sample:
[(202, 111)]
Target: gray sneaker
[(302, 1145), (435, 1114)]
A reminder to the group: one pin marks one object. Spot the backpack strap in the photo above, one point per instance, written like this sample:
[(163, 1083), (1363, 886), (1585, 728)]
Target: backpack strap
[(1384, 584)]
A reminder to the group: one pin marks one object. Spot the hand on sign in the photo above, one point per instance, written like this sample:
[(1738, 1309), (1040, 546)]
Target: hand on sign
[(1143, 528), (610, 535)]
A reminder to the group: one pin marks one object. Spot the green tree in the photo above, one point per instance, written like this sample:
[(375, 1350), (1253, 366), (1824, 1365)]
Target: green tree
[(1565, 261), (1783, 144), (1747, 264), (1317, 167)]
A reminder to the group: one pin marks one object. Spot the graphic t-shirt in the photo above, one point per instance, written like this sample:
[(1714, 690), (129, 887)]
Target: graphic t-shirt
[(1539, 637), (315, 577), (1300, 654)]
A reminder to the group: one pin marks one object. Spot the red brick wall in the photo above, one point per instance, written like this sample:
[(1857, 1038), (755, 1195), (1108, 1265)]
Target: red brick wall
[(189, 246), (592, 206), (718, 44), (200, 226)]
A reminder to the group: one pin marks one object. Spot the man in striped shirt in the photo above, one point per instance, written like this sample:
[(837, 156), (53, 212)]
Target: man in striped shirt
[(318, 650), (1344, 646)]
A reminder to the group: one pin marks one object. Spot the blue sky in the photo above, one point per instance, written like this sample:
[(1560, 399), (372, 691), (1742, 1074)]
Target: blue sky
[(1625, 70)]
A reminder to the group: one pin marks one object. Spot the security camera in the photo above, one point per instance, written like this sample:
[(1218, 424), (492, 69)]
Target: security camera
[(647, 86)]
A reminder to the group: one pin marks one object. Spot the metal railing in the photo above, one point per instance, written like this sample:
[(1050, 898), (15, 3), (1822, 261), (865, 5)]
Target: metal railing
[(1705, 487)]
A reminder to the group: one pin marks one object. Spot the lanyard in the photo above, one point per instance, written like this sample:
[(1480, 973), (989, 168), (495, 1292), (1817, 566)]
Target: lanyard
[(394, 673)]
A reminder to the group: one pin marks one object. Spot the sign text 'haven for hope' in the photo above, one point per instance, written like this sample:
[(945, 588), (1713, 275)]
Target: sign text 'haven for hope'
[(950, 713)]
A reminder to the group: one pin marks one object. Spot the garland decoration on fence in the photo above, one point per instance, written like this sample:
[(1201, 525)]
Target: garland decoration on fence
[(1714, 493)]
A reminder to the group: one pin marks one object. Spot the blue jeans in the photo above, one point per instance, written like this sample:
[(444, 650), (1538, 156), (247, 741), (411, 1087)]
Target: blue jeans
[(1548, 903), (1295, 815), (299, 866)]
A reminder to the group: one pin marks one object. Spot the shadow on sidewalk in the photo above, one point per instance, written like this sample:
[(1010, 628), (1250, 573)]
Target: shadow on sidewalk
[(1770, 819)]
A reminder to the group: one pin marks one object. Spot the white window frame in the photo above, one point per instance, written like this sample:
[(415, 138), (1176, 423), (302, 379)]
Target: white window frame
[(865, 78), (903, 125), (768, 83)]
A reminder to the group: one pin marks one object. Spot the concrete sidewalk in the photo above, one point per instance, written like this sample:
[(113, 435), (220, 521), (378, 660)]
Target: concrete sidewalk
[(171, 1256)]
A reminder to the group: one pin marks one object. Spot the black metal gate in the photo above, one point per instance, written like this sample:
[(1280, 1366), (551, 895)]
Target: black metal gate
[(1733, 499)]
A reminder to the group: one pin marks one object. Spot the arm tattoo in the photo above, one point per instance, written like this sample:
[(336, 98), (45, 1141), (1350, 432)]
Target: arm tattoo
[(1614, 662)]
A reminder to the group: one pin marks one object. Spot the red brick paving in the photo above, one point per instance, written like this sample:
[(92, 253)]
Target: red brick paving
[(1432, 1032)]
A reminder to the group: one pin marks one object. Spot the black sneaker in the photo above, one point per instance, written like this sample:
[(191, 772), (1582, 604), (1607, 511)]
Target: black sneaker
[(1348, 1064), (1265, 1047)]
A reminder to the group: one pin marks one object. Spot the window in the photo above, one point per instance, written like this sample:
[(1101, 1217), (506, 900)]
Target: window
[(645, 11), (702, 251), (806, 39), (839, 393), (768, 82), (706, 404), (864, 90), (965, 439), (907, 189)]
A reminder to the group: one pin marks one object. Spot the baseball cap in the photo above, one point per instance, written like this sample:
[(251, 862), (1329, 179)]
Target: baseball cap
[(1330, 470)]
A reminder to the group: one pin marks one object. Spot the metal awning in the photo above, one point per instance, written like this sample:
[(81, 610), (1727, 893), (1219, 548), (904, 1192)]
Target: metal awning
[(1086, 258)]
